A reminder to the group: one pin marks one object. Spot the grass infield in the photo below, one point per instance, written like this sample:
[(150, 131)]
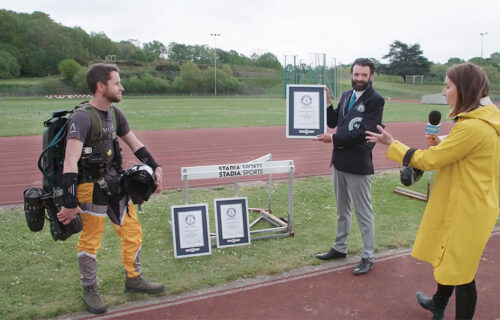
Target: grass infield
[(25, 116)]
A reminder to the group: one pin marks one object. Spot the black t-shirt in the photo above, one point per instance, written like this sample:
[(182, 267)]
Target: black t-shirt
[(80, 124)]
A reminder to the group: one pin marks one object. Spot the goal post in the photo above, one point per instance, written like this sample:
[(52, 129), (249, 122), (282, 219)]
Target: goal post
[(415, 79)]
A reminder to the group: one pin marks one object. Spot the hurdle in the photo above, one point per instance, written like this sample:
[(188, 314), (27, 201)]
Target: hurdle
[(261, 166)]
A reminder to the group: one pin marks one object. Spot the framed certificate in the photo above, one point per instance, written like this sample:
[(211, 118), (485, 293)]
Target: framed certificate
[(231, 222), (305, 110), (191, 230)]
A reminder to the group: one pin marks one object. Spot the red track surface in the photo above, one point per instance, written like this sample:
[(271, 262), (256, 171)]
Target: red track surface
[(186, 148), (328, 291)]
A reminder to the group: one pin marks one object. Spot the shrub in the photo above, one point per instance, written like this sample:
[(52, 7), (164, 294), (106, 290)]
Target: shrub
[(145, 83), (68, 68), (9, 68), (79, 83)]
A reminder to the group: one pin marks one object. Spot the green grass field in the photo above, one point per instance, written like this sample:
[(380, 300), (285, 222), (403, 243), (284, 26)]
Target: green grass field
[(25, 116)]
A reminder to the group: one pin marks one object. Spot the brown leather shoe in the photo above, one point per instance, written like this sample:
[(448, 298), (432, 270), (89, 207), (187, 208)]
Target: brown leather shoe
[(139, 284)]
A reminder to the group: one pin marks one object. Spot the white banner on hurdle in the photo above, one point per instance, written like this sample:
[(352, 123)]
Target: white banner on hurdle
[(236, 170)]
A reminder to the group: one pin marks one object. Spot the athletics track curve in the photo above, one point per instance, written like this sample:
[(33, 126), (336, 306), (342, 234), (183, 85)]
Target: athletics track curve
[(174, 149)]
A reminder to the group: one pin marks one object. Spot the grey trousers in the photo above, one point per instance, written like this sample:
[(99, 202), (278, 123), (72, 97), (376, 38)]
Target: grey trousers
[(354, 189)]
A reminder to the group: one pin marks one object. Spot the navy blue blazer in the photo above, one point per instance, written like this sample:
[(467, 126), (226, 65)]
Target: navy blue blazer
[(351, 152)]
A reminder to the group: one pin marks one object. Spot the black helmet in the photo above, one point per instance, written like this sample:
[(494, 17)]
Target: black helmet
[(139, 182), (410, 175)]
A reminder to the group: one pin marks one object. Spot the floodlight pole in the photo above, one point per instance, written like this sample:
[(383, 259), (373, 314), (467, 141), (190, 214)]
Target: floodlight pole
[(215, 35), (482, 34), (335, 79), (339, 66)]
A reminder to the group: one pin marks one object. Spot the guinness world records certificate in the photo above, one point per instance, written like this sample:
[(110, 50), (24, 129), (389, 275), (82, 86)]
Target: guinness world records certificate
[(231, 222), (306, 111), (190, 230)]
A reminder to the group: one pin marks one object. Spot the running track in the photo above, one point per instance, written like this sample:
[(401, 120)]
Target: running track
[(327, 291), (174, 149)]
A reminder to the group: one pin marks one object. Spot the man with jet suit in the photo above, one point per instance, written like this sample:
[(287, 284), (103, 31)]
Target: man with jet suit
[(358, 110)]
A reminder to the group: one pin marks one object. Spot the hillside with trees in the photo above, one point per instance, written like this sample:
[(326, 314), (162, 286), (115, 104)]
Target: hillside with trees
[(32, 45)]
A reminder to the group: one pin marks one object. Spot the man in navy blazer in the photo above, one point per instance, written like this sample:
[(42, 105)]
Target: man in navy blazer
[(358, 110)]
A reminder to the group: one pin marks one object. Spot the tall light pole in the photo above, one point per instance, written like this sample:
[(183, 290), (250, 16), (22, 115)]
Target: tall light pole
[(482, 34), (335, 78), (215, 35)]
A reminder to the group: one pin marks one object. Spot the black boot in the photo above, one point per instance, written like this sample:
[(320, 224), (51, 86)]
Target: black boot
[(427, 303)]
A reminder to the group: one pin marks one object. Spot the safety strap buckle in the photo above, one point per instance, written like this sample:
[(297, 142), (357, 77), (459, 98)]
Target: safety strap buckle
[(103, 185)]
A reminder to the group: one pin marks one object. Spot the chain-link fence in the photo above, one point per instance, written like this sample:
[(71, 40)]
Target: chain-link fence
[(315, 70)]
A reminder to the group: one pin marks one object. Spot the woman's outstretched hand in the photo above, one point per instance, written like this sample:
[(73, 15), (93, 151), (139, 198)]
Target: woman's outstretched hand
[(383, 137)]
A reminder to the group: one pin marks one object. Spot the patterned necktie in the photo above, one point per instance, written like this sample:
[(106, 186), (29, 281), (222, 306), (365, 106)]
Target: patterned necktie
[(352, 101)]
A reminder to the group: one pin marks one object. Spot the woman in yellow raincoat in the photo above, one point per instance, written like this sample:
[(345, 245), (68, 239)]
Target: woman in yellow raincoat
[(463, 207)]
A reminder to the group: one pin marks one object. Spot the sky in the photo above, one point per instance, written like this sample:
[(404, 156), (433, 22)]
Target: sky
[(342, 30)]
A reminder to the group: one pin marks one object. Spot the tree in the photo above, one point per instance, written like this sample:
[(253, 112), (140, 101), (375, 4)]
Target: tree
[(225, 79), (178, 52), (254, 56), (9, 27), (202, 54), (439, 70), (454, 60), (154, 50), (406, 60), (477, 60), (189, 78), (128, 50), (235, 58), (38, 44), (493, 75), (379, 67), (268, 60), (100, 45), (9, 68), (68, 68), (495, 60)]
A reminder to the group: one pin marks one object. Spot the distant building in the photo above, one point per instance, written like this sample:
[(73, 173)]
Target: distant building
[(437, 98)]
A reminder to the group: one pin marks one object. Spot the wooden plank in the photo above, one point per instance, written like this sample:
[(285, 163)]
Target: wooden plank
[(411, 194)]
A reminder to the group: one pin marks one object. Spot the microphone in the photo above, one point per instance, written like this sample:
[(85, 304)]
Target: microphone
[(433, 126)]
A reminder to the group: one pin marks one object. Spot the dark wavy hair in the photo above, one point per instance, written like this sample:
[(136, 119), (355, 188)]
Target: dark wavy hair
[(472, 84), (364, 62), (99, 72)]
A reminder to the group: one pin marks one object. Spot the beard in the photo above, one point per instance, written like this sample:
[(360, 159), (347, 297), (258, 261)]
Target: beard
[(360, 85), (113, 97)]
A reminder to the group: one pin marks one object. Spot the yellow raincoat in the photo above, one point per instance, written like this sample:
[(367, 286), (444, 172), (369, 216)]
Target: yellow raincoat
[(464, 203)]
